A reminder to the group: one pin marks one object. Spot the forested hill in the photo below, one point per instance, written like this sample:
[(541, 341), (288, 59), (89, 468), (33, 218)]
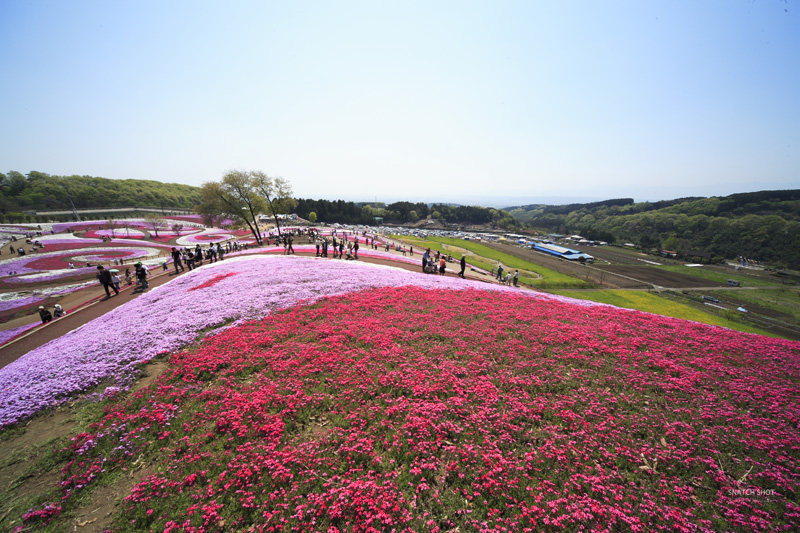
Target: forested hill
[(402, 213), (761, 225), (42, 192)]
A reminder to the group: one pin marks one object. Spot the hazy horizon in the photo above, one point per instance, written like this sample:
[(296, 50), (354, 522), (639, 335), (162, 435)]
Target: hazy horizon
[(350, 99)]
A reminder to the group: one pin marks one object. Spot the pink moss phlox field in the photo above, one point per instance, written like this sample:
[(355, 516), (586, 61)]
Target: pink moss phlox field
[(59, 254), (117, 233), (430, 409), (15, 300), (183, 231), (17, 229), (363, 252), (51, 275), (203, 238), (197, 219), (134, 224), (213, 281), (12, 300), (8, 334), (166, 318)]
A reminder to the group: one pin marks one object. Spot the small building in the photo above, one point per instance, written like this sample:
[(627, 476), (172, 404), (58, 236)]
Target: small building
[(564, 253)]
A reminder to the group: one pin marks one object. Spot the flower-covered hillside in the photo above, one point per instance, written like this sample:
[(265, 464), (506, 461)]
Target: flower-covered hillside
[(415, 406), (111, 348)]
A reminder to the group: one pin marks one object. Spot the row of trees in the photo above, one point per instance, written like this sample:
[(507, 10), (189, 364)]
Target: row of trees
[(763, 225), (42, 192), (239, 195), (402, 213), (243, 195)]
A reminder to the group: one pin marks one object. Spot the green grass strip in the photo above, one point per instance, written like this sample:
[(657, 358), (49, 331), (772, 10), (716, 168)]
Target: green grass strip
[(485, 257), (659, 305)]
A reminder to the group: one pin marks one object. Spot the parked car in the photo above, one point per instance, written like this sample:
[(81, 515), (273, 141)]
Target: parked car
[(711, 299)]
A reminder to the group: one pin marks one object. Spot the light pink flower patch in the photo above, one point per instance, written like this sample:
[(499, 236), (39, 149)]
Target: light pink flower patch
[(117, 233)]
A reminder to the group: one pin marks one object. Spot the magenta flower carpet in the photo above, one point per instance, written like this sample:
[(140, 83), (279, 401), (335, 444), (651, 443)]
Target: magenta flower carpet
[(336, 396)]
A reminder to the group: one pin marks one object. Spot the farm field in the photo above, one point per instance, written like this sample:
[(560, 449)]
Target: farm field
[(619, 255), (344, 396), (658, 304), (487, 255), (589, 274), (721, 275), (660, 278), (641, 276), (775, 310), (783, 304)]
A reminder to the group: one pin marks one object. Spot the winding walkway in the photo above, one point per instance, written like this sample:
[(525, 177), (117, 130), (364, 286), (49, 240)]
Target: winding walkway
[(96, 305)]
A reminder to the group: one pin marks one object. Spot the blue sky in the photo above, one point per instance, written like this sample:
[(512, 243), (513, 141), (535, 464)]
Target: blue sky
[(430, 100)]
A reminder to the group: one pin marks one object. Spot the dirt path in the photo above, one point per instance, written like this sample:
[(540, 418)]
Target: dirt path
[(91, 303)]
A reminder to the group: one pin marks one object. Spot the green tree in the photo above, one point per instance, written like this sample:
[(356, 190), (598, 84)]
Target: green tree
[(15, 183), (276, 191), (671, 243), (233, 197), (312, 217)]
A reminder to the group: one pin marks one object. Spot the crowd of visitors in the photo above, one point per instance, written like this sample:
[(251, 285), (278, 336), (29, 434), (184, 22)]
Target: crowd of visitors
[(340, 245)]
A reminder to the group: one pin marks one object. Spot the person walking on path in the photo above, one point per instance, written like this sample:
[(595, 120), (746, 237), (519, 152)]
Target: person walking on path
[(176, 260), (105, 279), (141, 275), (463, 266), (115, 281), (290, 249), (516, 278), (45, 315), (58, 311)]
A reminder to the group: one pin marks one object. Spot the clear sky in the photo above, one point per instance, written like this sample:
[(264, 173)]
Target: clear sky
[(424, 100)]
